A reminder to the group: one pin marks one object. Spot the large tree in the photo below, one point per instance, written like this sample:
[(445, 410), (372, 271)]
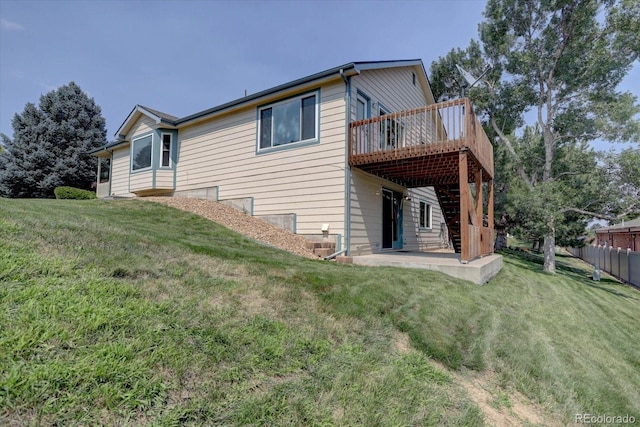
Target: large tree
[(50, 144), (556, 64)]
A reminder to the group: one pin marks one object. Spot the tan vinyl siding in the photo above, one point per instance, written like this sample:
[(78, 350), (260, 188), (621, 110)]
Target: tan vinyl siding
[(120, 172), (143, 125), (164, 179), (366, 215), (140, 181), (307, 180), (392, 88), (423, 238)]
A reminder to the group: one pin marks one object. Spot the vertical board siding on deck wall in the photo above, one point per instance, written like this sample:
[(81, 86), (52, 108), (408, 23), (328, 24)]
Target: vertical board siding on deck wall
[(394, 89), (306, 180)]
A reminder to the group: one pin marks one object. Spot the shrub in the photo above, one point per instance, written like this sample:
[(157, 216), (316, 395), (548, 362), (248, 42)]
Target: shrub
[(73, 193)]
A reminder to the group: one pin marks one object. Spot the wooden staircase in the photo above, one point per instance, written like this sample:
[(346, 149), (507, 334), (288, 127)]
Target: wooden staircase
[(449, 199)]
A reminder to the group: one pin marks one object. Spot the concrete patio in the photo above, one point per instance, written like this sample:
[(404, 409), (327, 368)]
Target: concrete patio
[(478, 271)]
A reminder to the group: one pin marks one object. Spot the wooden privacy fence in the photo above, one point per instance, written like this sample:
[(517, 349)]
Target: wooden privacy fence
[(621, 263)]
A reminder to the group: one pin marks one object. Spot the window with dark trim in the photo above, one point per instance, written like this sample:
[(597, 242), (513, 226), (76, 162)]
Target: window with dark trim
[(166, 150), (289, 121), (105, 170), (425, 215)]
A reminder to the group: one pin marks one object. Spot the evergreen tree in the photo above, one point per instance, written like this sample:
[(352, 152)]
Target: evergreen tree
[(50, 144)]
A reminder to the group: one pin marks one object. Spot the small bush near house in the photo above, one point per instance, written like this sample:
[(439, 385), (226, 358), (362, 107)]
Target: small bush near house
[(73, 193)]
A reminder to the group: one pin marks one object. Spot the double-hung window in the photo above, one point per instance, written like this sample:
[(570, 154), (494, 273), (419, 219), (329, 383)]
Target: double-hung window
[(166, 150), (425, 215), (141, 153), (290, 121)]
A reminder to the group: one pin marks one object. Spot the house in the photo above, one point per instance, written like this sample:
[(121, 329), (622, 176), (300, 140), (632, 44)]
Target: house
[(360, 154), (625, 235)]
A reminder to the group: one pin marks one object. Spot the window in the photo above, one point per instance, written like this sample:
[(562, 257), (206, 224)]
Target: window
[(425, 215), (141, 153), (290, 121), (361, 108), (391, 131), (166, 150), (363, 111), (105, 170)]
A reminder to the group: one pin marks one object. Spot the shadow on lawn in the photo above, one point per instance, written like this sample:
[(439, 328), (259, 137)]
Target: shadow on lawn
[(533, 262)]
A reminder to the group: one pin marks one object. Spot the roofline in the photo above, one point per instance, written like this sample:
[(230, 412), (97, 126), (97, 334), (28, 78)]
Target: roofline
[(323, 74), (626, 228), (376, 65), (142, 110), (348, 69), (107, 148)]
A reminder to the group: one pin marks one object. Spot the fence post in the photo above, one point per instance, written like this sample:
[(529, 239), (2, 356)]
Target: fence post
[(629, 266)]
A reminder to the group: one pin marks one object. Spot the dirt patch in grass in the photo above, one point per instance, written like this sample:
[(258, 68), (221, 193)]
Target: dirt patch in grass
[(501, 408), (402, 343)]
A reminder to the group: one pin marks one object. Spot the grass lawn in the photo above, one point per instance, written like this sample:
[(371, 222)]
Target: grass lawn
[(133, 313)]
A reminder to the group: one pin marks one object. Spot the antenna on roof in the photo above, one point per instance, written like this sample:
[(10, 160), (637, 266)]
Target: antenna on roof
[(469, 78)]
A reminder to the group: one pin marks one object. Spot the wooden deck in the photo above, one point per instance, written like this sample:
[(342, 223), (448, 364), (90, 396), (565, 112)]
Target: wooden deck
[(441, 145), (421, 144)]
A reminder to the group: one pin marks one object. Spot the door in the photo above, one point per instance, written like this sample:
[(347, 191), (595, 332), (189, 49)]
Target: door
[(391, 219), (363, 111)]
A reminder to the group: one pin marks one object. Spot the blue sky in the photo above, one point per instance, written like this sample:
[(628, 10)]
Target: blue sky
[(181, 57)]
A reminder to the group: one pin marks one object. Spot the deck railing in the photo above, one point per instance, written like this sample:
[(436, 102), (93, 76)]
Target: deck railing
[(438, 128)]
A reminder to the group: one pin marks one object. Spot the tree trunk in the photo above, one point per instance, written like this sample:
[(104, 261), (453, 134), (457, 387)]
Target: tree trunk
[(501, 238), (550, 252)]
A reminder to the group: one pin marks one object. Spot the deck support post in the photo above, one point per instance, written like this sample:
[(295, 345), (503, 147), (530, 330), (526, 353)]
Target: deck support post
[(464, 206), (479, 198), (490, 214)]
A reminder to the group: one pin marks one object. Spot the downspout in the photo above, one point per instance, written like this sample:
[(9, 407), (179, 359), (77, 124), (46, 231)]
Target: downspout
[(347, 169), (332, 256)]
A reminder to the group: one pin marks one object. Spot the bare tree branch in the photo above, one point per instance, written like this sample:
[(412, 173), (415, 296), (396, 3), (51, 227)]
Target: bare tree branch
[(516, 158)]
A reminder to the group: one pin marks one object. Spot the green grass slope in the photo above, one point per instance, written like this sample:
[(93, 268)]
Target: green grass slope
[(134, 313)]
